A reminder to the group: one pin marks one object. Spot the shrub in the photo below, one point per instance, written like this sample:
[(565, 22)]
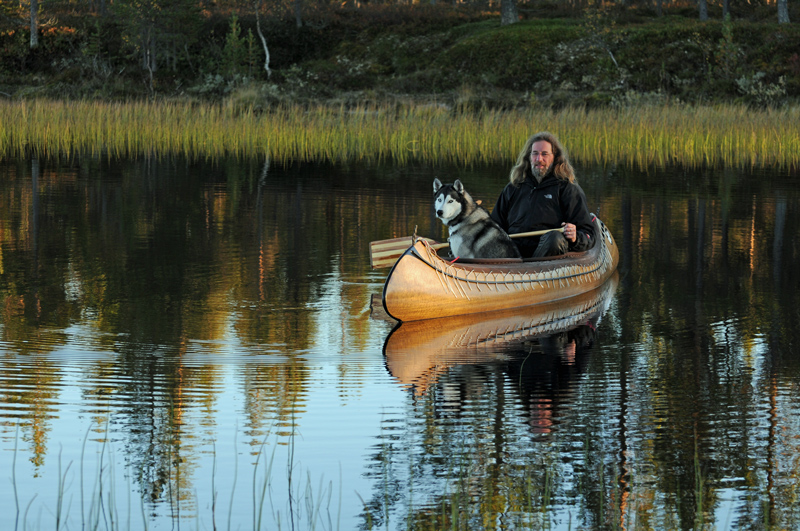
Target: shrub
[(760, 92)]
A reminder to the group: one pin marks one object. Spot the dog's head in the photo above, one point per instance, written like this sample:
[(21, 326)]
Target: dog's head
[(449, 200)]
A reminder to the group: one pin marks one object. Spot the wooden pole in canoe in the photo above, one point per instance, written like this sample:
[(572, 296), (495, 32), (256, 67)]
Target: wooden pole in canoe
[(384, 253)]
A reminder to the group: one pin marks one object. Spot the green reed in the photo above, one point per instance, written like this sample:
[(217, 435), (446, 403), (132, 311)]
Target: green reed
[(641, 136)]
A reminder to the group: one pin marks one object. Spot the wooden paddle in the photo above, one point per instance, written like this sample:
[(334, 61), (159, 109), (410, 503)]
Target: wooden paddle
[(384, 253)]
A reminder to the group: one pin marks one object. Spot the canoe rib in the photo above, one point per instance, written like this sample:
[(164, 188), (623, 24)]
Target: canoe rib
[(422, 285)]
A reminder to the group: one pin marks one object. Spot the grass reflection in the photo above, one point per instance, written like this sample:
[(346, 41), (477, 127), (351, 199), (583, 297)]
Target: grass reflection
[(691, 135), (104, 497)]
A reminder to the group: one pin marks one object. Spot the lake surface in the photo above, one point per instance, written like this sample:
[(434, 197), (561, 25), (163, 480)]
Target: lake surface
[(193, 345)]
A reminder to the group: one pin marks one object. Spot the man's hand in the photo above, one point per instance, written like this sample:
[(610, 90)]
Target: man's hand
[(570, 232)]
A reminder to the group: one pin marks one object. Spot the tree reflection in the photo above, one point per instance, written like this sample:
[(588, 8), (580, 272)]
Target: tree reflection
[(138, 261), (701, 323), (684, 400)]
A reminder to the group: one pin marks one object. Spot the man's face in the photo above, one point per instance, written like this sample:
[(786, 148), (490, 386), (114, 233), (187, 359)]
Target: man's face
[(541, 158)]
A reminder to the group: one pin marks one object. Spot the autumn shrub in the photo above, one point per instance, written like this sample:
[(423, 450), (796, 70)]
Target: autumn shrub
[(409, 19)]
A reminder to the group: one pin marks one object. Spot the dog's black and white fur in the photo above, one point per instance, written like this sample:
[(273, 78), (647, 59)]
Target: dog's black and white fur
[(473, 234)]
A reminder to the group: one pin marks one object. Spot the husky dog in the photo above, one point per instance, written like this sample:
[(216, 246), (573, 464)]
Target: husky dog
[(473, 234)]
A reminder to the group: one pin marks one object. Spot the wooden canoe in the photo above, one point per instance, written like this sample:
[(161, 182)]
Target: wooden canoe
[(422, 285), (418, 352)]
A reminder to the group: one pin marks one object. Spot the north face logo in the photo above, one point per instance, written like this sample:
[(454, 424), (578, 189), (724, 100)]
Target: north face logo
[(548, 196)]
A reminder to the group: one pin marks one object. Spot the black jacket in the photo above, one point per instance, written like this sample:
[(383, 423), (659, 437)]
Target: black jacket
[(532, 206)]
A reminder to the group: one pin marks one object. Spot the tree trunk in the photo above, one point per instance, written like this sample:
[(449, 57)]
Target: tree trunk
[(783, 11), (659, 7), (508, 12), (298, 13), (726, 8), (34, 24), (263, 40), (703, 5), (149, 59)]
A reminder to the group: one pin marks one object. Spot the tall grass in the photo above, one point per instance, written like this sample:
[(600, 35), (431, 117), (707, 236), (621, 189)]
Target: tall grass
[(644, 136)]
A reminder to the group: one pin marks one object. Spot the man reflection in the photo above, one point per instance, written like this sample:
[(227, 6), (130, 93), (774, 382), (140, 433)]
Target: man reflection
[(545, 369), (541, 370)]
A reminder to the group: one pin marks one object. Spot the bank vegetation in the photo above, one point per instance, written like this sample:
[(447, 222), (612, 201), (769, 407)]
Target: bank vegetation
[(556, 53), (642, 135)]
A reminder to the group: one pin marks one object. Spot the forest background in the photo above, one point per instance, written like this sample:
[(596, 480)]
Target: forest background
[(468, 55)]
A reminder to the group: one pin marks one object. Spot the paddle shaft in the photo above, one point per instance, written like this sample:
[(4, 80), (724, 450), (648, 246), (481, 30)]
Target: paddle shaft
[(444, 245), (384, 253)]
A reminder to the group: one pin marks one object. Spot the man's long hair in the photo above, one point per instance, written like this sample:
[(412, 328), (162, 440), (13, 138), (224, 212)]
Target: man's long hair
[(561, 167)]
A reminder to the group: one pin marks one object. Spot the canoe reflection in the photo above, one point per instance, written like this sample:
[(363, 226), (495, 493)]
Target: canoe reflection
[(539, 348)]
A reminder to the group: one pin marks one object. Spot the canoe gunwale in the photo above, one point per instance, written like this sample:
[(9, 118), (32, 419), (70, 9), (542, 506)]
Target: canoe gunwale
[(586, 258)]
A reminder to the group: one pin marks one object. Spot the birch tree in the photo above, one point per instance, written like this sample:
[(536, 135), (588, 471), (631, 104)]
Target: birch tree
[(508, 12), (703, 5), (257, 6), (34, 24), (783, 11)]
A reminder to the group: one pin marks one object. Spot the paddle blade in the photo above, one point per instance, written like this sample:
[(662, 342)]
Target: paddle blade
[(384, 253)]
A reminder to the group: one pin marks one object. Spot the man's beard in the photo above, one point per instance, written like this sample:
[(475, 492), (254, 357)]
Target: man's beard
[(539, 173)]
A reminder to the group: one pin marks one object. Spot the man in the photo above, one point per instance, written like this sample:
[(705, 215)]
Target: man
[(543, 194)]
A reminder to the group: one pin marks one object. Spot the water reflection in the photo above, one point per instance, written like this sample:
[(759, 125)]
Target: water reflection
[(418, 352), (488, 390), (170, 317)]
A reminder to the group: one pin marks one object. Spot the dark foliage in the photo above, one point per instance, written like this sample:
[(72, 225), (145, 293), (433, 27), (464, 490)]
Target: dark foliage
[(558, 54)]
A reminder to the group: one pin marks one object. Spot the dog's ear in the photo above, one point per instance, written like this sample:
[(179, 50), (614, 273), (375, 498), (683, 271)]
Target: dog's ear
[(458, 187), (436, 184)]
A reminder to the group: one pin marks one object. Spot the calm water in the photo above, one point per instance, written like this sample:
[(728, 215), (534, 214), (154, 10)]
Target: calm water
[(192, 345)]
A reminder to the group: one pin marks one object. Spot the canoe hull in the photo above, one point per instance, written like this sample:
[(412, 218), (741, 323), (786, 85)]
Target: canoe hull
[(421, 285), (418, 352)]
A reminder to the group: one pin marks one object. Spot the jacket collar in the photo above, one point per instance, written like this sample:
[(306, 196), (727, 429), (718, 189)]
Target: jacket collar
[(549, 180)]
